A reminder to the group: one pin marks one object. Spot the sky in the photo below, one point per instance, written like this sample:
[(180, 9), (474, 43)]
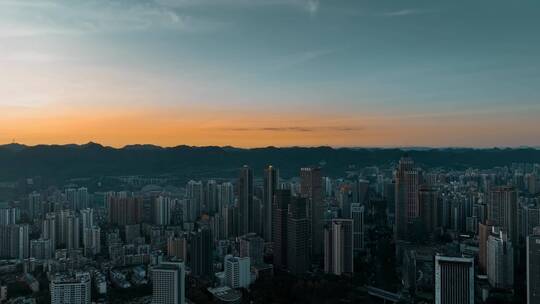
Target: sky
[(252, 73)]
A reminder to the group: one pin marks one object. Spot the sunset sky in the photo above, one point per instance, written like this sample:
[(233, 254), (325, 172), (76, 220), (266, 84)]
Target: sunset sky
[(255, 73)]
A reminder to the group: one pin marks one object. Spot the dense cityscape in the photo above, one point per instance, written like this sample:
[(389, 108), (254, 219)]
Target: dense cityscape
[(269, 152), (398, 233)]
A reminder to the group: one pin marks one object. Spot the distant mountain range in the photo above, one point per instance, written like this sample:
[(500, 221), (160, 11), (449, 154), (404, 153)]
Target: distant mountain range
[(90, 160)]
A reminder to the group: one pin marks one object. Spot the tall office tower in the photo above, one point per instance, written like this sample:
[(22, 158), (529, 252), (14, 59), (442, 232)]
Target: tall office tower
[(70, 194), (49, 229), (14, 241), (257, 216), (237, 271), (500, 260), (195, 197), (73, 289), (533, 267), (282, 199), (125, 210), (271, 184), (227, 221), (92, 241), (454, 280), (34, 205), (360, 191), (345, 199), (298, 261), (338, 247), (484, 231), (71, 231), (41, 249), (87, 221), (201, 253), (327, 186), (502, 210), (162, 210), (225, 195), (252, 246), (311, 188), (9, 216), (81, 199), (357, 215), (211, 197), (407, 208), (531, 183), (177, 247), (245, 201), (428, 199), (531, 219), (168, 283)]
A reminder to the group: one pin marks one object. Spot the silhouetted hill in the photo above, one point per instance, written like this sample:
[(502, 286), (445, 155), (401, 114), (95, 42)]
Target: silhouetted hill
[(65, 161)]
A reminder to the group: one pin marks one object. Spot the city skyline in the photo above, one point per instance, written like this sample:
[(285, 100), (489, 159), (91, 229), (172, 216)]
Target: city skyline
[(270, 73)]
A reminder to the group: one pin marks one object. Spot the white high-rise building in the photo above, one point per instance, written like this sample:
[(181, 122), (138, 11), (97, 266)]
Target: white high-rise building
[(168, 281), (237, 271), (500, 260), (454, 280), (72, 289)]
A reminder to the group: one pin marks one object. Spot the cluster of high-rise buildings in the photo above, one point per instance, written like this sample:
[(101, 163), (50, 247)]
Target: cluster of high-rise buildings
[(460, 236)]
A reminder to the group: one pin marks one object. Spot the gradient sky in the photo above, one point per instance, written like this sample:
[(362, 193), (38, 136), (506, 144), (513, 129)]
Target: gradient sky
[(271, 72)]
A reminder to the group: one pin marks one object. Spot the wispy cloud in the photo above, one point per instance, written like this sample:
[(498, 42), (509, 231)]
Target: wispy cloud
[(299, 129), (33, 18), (407, 12)]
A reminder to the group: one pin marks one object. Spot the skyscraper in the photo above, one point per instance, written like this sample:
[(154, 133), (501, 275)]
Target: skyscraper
[(500, 260), (225, 193), (211, 197), (34, 205), (252, 246), (298, 261), (454, 280), (245, 201), (338, 247), (484, 231), (168, 283), (502, 210), (357, 215), (533, 268), (195, 198), (311, 188), (406, 196), (125, 210), (282, 199), (49, 229), (201, 253), (428, 199), (92, 240), (14, 241), (41, 249), (271, 184), (9, 216), (163, 206)]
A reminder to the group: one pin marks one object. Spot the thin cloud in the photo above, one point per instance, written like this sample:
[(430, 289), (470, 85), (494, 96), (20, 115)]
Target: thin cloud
[(75, 18), (299, 129), (407, 12)]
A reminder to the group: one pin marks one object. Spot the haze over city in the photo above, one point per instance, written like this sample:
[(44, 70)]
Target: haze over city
[(270, 72)]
